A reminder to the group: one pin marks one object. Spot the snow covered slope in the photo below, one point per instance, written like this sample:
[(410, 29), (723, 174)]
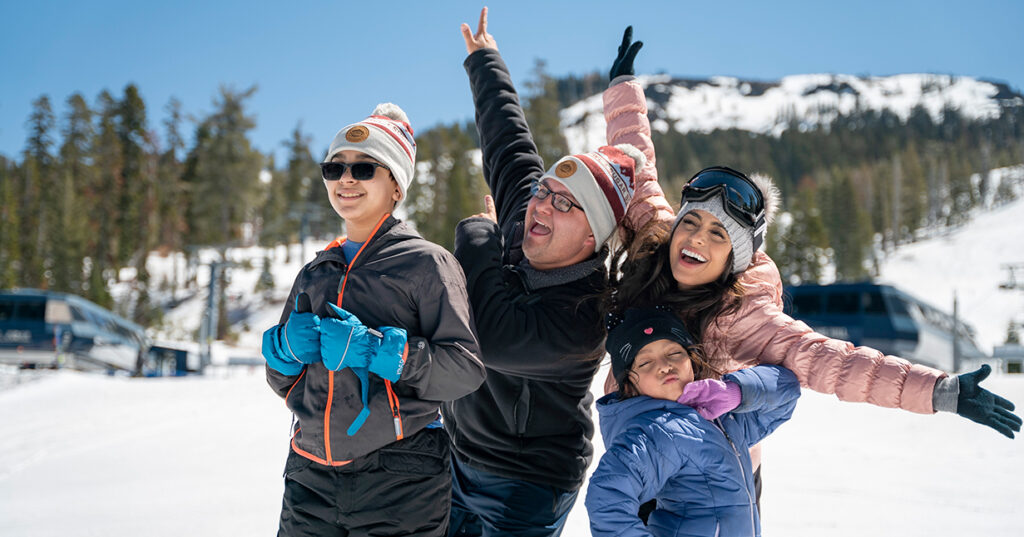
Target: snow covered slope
[(968, 261), (804, 100)]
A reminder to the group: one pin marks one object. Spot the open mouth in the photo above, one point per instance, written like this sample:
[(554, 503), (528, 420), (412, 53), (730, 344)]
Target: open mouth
[(691, 257), (350, 195), (539, 229)]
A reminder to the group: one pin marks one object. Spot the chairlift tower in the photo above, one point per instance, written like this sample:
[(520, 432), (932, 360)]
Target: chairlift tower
[(1014, 280), (1013, 283), (208, 324)]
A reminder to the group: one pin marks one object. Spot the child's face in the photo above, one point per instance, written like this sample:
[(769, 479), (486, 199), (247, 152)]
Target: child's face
[(661, 369), (362, 202)]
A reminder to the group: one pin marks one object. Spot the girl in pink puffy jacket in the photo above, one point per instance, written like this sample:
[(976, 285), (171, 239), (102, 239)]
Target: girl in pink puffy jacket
[(706, 263)]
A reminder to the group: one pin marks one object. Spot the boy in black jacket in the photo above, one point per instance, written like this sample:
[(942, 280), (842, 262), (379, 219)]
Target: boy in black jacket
[(522, 441), (375, 335)]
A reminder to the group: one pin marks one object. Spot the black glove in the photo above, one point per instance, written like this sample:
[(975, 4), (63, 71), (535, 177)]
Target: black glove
[(623, 64), (982, 406)]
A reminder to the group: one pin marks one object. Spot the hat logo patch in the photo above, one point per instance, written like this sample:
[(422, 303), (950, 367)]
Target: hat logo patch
[(357, 134), (566, 169), (649, 330)]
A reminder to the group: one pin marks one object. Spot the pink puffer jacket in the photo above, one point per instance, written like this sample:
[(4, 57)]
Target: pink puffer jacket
[(625, 110), (759, 331)]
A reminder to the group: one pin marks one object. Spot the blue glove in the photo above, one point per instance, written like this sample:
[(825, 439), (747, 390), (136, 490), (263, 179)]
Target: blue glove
[(389, 360), (623, 64), (346, 342), (982, 406), (288, 347)]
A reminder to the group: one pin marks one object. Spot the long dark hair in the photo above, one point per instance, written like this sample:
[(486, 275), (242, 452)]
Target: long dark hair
[(645, 279)]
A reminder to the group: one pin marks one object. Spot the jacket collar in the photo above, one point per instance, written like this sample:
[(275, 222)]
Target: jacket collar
[(538, 279), (390, 229)]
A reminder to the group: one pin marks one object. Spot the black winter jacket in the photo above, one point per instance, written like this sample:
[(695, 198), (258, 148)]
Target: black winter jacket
[(397, 279), (541, 337)]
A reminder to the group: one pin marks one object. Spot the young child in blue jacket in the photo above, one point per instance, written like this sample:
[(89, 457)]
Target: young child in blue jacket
[(678, 434)]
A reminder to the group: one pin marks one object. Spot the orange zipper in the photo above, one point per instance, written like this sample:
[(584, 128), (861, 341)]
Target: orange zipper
[(330, 374)]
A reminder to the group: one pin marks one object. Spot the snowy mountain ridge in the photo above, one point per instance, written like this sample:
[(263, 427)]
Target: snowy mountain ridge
[(691, 105)]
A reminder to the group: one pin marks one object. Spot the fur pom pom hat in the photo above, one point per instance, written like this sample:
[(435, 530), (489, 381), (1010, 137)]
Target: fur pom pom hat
[(745, 205), (602, 182), (387, 137)]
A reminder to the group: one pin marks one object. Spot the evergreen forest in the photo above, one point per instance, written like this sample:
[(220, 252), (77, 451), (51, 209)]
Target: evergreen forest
[(98, 187)]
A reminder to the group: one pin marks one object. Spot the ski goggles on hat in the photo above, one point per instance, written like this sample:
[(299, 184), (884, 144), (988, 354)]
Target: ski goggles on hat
[(361, 171), (742, 199)]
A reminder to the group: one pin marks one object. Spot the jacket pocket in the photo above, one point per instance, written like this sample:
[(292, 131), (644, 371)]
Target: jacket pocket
[(293, 399), (295, 464), (521, 413), (425, 453)]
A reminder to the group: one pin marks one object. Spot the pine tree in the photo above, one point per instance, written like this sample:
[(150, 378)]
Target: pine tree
[(38, 217), (76, 171), (913, 194), (169, 189), (802, 247), (849, 234), (309, 211), (265, 283), (103, 197), (222, 172), (449, 186), (10, 225), (542, 108), (136, 223)]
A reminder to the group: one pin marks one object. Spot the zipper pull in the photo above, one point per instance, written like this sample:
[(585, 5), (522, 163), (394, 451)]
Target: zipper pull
[(398, 427)]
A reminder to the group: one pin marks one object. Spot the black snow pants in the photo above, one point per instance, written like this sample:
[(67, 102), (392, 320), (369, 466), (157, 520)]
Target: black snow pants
[(402, 489)]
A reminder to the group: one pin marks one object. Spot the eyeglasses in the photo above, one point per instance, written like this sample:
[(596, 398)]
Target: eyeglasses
[(558, 201), (361, 171), (742, 198)]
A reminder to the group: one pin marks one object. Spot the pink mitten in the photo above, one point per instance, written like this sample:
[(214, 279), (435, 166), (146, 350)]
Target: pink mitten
[(711, 398)]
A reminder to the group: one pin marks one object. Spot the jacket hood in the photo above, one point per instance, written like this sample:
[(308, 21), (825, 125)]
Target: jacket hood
[(770, 193), (617, 415)]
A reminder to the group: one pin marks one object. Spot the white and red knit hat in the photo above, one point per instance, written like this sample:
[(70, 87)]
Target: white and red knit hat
[(387, 137), (602, 183)]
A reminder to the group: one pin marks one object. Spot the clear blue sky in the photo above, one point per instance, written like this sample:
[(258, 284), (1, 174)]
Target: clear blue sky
[(326, 63)]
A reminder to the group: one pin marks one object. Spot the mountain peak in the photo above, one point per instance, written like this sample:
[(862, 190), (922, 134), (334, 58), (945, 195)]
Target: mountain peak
[(805, 101)]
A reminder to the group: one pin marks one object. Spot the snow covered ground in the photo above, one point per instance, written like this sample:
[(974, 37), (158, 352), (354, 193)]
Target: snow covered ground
[(89, 455)]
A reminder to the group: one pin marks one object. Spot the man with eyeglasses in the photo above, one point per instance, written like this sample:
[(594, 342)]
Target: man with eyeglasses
[(535, 263)]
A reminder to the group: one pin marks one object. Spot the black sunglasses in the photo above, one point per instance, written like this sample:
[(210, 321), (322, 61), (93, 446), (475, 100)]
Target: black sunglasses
[(558, 201), (361, 171), (743, 200)]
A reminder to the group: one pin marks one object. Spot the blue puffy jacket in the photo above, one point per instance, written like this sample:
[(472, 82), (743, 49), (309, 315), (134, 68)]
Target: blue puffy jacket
[(697, 470)]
